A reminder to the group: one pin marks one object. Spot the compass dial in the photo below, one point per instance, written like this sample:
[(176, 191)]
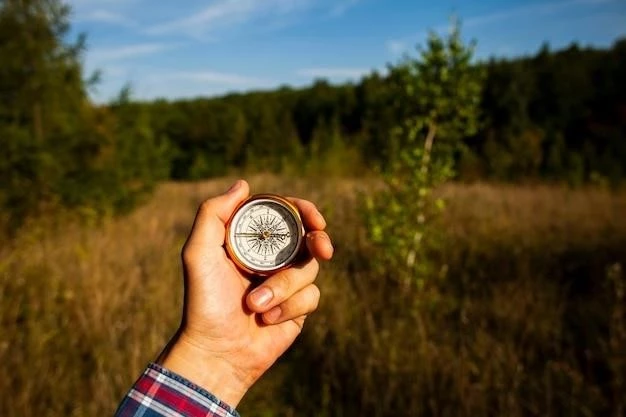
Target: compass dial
[(265, 234)]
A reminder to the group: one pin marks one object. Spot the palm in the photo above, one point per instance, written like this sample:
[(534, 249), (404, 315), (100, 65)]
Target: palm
[(216, 311)]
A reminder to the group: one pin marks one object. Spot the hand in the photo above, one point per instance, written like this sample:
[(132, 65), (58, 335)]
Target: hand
[(231, 333)]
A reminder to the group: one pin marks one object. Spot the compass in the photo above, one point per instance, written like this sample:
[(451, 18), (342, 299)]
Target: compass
[(265, 234)]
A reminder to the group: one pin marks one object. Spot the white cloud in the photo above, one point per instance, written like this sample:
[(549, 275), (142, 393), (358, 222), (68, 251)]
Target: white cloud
[(333, 72), (86, 7), (222, 14), (342, 7), (544, 8), (398, 46), (150, 83), (114, 71), (104, 16), (76, 3), (212, 77), (102, 55)]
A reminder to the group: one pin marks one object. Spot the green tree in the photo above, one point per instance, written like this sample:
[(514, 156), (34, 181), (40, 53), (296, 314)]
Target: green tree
[(438, 97), (142, 157), (58, 148), (42, 98)]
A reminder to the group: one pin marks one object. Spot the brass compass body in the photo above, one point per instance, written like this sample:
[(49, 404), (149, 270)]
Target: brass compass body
[(265, 234)]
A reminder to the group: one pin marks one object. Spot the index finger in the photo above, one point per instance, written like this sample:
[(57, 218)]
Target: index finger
[(311, 216)]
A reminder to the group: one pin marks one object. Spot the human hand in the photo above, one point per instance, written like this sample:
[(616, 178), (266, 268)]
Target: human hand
[(231, 332)]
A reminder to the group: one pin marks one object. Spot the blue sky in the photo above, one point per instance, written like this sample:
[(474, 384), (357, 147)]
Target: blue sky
[(205, 48)]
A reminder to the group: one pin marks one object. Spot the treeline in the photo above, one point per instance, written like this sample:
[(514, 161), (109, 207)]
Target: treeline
[(559, 116)]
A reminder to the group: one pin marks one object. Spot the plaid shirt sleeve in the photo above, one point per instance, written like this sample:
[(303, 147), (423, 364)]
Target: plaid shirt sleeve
[(160, 392)]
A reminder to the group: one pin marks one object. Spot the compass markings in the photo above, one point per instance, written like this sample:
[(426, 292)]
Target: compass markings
[(266, 236)]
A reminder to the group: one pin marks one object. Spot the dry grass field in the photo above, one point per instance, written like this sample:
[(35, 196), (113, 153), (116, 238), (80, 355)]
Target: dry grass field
[(528, 318)]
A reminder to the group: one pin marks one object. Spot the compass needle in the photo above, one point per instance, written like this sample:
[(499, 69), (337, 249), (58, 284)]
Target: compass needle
[(265, 234)]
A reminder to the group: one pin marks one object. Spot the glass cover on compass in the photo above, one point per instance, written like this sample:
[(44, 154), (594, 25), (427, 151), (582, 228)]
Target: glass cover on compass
[(265, 234)]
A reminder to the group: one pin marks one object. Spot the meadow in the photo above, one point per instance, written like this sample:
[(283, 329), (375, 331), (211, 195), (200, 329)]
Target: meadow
[(526, 315)]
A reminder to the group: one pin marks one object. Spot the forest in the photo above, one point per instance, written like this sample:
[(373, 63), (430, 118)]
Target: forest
[(476, 208), (557, 115)]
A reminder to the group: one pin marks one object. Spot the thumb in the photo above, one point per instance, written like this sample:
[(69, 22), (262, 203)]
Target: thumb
[(209, 226)]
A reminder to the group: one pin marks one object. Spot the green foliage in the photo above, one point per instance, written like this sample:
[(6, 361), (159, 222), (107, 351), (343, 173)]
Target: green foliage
[(141, 159), (39, 88), (58, 149), (437, 95), (23, 167), (330, 154), (439, 90)]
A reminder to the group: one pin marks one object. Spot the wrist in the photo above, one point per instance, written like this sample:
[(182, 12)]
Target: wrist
[(209, 371)]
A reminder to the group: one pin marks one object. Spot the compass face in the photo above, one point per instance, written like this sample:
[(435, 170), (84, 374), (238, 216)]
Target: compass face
[(265, 234)]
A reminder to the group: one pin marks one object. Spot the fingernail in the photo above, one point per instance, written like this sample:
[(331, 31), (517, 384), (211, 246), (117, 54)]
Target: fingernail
[(261, 296), (273, 315), (321, 217), (234, 187)]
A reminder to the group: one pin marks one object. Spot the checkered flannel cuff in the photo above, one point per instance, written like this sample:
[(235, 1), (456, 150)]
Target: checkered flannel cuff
[(160, 392)]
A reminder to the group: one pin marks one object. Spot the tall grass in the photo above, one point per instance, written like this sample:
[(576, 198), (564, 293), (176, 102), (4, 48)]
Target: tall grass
[(528, 318)]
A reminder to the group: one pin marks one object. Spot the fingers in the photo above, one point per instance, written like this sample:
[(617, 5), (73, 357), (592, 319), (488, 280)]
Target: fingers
[(312, 218), (282, 286), (319, 245), (318, 242), (297, 306), (208, 227)]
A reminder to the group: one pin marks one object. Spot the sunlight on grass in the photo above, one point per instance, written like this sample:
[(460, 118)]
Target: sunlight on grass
[(523, 329)]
